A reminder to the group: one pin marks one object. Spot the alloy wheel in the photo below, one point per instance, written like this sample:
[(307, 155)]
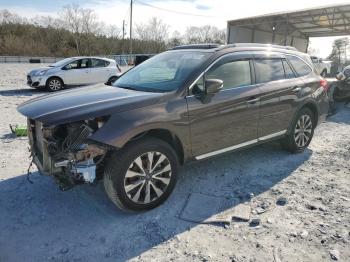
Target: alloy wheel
[(55, 85), (303, 131), (147, 178)]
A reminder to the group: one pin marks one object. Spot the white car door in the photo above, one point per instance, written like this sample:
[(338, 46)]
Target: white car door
[(100, 72), (77, 72)]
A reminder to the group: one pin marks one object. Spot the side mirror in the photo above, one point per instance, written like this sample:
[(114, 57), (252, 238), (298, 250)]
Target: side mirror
[(211, 87)]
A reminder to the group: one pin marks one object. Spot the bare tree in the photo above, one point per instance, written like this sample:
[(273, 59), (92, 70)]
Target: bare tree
[(155, 32), (175, 40), (80, 22), (6, 17), (111, 31), (204, 34)]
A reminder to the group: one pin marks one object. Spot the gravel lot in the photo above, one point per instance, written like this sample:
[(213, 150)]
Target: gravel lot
[(302, 203)]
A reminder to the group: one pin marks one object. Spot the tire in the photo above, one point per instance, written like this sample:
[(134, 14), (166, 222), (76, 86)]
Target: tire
[(54, 84), (128, 175), (297, 141), (324, 73), (341, 96), (111, 80)]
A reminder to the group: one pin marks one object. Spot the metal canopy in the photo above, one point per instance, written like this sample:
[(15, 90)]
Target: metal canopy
[(318, 22), (281, 28)]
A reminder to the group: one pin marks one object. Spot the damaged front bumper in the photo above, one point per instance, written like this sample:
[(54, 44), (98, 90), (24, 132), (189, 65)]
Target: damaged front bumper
[(72, 167)]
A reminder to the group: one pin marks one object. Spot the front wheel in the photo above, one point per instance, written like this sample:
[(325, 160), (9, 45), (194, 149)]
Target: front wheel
[(142, 175), (324, 73), (54, 84), (301, 132)]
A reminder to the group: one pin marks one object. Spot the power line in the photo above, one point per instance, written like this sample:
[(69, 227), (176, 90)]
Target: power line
[(173, 11)]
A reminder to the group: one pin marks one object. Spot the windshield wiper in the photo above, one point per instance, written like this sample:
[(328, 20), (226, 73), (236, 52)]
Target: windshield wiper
[(126, 87)]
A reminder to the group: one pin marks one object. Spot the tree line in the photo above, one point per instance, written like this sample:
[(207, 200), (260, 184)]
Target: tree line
[(78, 31)]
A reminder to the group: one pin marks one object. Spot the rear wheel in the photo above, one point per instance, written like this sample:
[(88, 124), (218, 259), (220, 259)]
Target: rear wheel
[(54, 84), (301, 133), (142, 175), (341, 96)]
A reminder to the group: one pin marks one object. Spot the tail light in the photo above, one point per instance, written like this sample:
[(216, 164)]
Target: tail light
[(324, 84)]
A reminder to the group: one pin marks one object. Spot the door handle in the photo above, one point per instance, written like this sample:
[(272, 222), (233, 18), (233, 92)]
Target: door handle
[(296, 89), (253, 100)]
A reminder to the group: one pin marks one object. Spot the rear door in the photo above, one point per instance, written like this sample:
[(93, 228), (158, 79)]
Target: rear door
[(279, 89), (230, 118), (100, 72), (309, 78)]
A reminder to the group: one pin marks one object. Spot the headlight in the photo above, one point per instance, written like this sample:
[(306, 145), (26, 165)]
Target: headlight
[(41, 73)]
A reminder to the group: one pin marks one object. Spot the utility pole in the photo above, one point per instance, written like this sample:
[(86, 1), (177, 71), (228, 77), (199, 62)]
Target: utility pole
[(123, 43), (131, 3)]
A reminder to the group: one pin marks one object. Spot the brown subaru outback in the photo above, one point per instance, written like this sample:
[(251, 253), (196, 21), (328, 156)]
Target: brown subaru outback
[(189, 103)]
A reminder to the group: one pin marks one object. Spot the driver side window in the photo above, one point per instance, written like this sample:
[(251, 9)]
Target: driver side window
[(232, 73), (73, 65)]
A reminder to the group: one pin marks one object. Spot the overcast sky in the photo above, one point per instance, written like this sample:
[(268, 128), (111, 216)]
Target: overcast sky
[(200, 12)]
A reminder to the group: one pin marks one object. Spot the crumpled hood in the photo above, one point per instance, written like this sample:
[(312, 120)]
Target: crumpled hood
[(84, 103)]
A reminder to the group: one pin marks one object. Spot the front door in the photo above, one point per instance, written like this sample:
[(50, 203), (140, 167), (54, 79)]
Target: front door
[(78, 72), (230, 118)]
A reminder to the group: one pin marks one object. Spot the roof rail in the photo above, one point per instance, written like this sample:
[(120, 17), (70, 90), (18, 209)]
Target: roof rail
[(259, 45), (196, 46)]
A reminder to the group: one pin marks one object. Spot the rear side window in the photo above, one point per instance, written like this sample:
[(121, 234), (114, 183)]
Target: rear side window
[(300, 66), (99, 63), (287, 69), (233, 73), (269, 70)]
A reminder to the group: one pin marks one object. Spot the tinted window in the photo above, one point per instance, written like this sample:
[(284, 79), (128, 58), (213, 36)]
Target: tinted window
[(299, 65), (268, 70), (287, 69), (84, 63), (234, 74), (73, 65), (99, 63)]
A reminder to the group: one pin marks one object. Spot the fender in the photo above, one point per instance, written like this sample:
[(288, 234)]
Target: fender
[(308, 102), (122, 127)]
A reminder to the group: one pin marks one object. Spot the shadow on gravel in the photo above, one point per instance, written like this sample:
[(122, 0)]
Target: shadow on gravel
[(22, 92), (39, 223), (8, 136), (341, 115)]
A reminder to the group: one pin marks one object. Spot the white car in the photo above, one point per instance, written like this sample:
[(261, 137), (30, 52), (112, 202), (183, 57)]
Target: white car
[(322, 67), (74, 71)]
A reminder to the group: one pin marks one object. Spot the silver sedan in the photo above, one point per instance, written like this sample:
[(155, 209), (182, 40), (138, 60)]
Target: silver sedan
[(74, 71)]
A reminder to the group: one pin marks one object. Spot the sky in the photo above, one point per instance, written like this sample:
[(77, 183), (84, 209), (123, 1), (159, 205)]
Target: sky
[(186, 12)]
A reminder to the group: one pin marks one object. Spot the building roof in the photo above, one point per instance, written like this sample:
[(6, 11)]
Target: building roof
[(323, 21)]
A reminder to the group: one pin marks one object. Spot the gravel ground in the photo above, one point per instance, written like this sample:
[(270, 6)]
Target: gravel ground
[(300, 203)]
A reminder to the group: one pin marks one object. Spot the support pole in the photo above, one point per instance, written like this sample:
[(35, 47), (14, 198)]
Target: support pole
[(131, 4), (123, 42)]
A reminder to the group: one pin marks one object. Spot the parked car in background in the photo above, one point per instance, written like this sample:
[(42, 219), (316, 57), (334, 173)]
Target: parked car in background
[(74, 71), (322, 67), (190, 103)]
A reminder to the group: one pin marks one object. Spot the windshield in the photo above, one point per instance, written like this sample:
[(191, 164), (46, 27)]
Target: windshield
[(62, 62), (164, 72)]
